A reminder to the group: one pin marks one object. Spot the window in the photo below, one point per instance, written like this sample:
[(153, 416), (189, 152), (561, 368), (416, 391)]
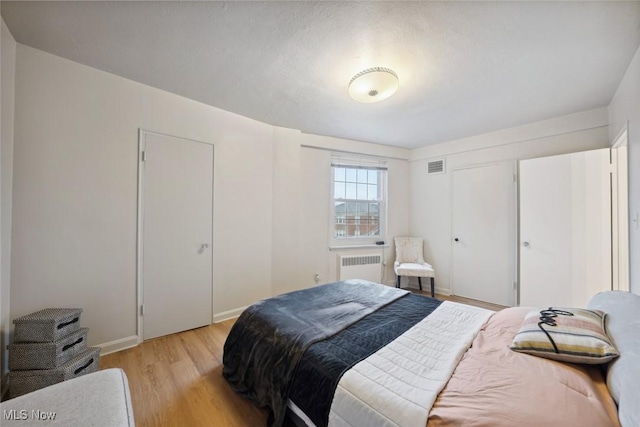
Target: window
[(358, 200)]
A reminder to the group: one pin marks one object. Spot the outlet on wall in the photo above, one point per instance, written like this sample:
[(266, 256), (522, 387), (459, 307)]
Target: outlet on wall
[(317, 278)]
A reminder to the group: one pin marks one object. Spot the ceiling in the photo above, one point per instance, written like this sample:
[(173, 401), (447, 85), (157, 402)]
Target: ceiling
[(465, 68)]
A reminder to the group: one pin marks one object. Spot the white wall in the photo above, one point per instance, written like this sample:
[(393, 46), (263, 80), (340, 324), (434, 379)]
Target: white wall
[(75, 193), (301, 233), (625, 110), (7, 86), (287, 208), (430, 198)]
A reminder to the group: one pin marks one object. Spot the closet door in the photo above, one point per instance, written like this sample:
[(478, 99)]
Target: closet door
[(484, 233), (565, 228), (177, 214)]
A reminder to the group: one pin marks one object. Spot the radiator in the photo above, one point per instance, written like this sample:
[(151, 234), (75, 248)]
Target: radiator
[(367, 267)]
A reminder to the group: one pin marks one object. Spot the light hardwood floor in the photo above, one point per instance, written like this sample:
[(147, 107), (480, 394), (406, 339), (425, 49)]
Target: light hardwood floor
[(177, 380), (461, 300)]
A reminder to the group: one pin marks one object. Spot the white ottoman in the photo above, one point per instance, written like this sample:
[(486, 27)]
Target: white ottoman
[(100, 399)]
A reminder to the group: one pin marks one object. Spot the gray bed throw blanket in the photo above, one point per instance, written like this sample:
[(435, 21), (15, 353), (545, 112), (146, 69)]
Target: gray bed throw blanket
[(268, 339)]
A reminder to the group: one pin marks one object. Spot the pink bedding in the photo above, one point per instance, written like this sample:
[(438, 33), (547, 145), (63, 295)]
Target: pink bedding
[(494, 386)]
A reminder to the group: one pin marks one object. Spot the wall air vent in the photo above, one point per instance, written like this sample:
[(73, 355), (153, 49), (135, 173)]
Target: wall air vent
[(435, 166)]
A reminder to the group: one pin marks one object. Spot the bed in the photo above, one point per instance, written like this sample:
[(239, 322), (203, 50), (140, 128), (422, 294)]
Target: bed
[(356, 353)]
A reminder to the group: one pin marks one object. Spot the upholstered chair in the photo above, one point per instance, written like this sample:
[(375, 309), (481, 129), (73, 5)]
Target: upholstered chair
[(410, 261)]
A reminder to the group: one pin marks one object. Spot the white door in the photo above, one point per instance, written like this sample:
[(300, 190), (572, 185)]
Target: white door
[(177, 183), (565, 228), (484, 233)]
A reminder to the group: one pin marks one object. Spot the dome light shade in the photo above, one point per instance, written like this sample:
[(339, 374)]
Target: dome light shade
[(373, 85)]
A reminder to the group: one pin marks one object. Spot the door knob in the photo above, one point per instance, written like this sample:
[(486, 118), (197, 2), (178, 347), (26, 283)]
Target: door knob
[(203, 247), (456, 239), (526, 244)]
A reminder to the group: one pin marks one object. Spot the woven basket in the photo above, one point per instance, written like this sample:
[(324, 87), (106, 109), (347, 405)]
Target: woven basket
[(47, 355), (22, 382), (47, 325)]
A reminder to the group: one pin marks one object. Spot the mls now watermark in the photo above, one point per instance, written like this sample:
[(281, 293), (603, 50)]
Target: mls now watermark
[(23, 414)]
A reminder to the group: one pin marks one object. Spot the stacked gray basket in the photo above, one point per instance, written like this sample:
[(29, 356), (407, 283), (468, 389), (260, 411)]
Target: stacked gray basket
[(49, 347)]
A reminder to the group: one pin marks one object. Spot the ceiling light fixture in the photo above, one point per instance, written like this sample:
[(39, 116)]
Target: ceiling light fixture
[(373, 84)]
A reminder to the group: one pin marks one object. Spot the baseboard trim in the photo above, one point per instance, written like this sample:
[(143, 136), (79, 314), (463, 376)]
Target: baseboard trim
[(229, 314), (443, 291), (5, 387), (118, 345)]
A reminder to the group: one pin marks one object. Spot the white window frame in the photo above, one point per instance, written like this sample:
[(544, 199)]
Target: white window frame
[(360, 163)]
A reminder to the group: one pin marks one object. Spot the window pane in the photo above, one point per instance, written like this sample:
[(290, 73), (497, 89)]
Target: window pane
[(362, 191), (374, 210), (373, 177), (352, 210), (351, 191), (362, 176), (360, 216), (350, 227), (372, 192), (340, 219)]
